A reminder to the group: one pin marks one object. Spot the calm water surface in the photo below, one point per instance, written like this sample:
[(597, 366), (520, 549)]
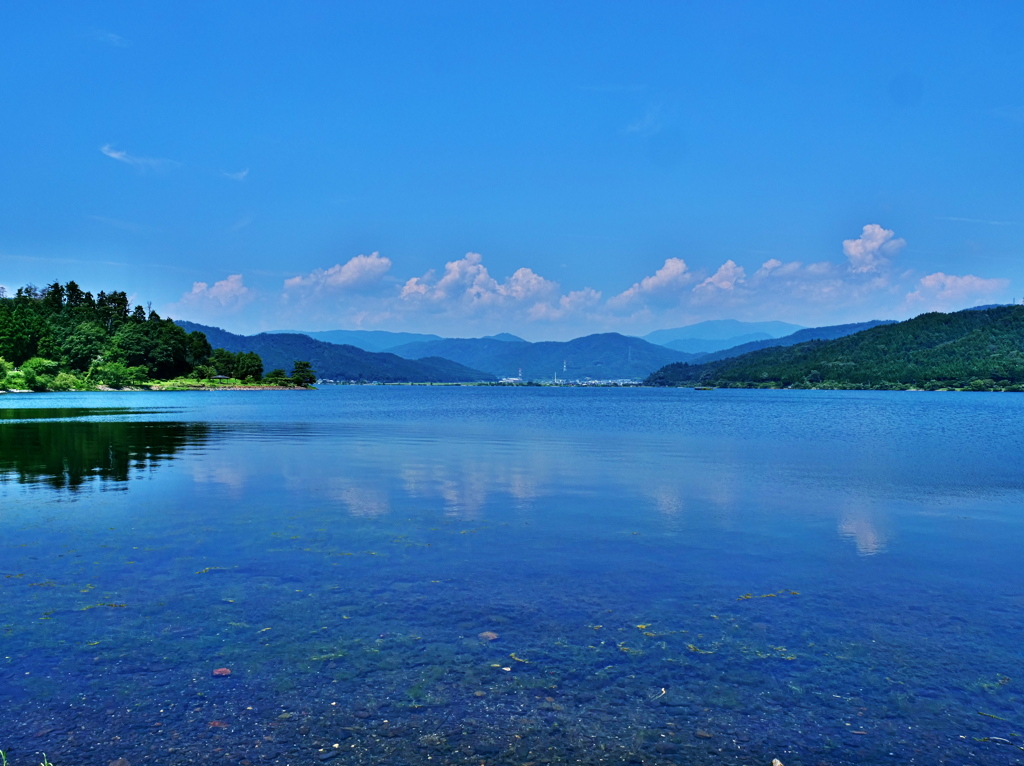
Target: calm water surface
[(404, 575)]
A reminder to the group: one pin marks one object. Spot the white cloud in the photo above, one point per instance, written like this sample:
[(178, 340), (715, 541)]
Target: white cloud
[(939, 290), (241, 175), (466, 283), (573, 303), (229, 293), (668, 280), (142, 163), (728, 276), (357, 273), (464, 298), (872, 249)]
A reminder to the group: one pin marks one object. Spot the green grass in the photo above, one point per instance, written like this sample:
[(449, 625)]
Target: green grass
[(3, 759)]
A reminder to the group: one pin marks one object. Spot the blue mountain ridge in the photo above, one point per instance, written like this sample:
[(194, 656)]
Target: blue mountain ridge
[(338, 362)]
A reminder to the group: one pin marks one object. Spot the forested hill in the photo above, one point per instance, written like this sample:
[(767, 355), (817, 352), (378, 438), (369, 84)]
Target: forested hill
[(972, 349), (339, 362), (62, 338), (800, 336)]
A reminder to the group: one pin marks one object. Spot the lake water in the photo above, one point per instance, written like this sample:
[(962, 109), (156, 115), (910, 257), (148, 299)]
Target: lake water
[(412, 575)]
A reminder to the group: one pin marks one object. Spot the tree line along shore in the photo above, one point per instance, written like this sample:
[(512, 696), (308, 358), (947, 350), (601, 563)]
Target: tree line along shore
[(62, 338)]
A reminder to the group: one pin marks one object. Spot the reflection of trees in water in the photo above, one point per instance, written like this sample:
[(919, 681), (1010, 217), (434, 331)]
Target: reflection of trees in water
[(66, 454), (61, 413)]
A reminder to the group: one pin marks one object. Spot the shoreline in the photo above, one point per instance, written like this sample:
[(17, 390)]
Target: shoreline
[(200, 387), (159, 387)]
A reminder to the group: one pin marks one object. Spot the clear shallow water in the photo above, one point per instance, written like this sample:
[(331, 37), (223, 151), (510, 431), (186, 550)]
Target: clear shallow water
[(674, 577)]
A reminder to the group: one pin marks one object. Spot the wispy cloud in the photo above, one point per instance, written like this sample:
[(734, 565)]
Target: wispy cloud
[(241, 223), (976, 220), (138, 228), (1012, 113), (142, 163), (615, 88), (241, 175), (108, 38), (649, 124)]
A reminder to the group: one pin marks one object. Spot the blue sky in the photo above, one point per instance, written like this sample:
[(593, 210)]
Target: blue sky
[(548, 169)]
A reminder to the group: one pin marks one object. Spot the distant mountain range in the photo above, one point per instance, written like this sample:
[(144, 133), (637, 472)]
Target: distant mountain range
[(378, 340), (978, 348), (339, 362), (718, 334), (708, 345), (367, 340), (607, 356)]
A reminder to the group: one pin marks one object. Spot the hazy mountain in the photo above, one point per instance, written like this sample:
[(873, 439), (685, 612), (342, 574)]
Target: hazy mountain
[(338, 362), (974, 349), (505, 336), (706, 346), (722, 329), (800, 336), (368, 340), (604, 356)]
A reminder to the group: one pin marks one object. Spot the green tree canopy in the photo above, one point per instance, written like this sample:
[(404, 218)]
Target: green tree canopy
[(76, 332), (302, 374)]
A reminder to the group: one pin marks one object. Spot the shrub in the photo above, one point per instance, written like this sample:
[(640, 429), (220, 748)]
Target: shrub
[(276, 378), (65, 381)]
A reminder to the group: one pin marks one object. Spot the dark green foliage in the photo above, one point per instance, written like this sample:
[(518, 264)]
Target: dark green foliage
[(101, 339), (248, 366), (830, 332), (241, 365), (276, 377), (974, 349), (198, 350), (302, 374), (83, 344)]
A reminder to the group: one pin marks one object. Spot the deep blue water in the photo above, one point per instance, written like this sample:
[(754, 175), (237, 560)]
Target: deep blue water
[(673, 576)]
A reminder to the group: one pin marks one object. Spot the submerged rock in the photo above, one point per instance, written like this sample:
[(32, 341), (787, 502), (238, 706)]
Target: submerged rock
[(488, 635)]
